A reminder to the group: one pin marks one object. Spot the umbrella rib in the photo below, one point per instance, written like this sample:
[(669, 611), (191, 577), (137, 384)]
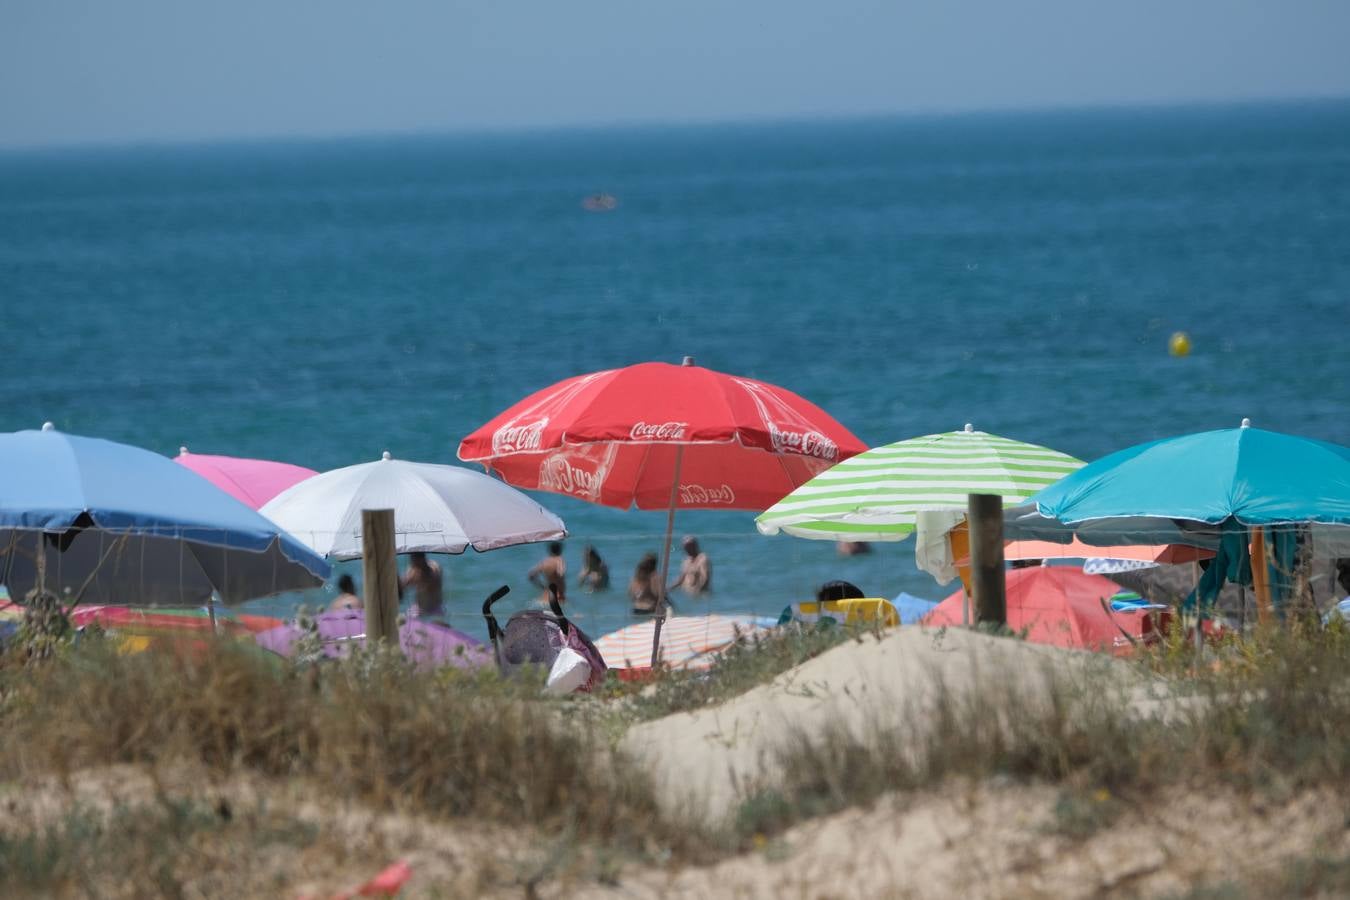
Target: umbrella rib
[(637, 479)]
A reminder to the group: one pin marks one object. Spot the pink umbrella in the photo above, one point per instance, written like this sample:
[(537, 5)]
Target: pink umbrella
[(251, 481)]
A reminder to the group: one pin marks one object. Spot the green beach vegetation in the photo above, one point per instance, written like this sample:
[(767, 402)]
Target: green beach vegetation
[(219, 770)]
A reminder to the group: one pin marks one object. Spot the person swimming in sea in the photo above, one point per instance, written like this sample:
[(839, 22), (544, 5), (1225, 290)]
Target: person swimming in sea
[(594, 572), (695, 576), (551, 570), (644, 586)]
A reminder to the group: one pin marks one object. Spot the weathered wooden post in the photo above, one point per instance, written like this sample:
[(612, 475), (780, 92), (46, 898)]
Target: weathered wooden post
[(985, 514), (380, 574)]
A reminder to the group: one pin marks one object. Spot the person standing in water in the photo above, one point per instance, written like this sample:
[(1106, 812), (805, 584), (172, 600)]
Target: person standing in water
[(594, 572), (423, 576), (644, 588), (551, 570), (695, 570)]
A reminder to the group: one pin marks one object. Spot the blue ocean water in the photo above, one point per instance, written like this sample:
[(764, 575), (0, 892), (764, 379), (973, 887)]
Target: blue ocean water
[(320, 302)]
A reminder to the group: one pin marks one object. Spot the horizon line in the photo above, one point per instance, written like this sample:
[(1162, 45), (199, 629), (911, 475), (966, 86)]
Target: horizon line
[(659, 123)]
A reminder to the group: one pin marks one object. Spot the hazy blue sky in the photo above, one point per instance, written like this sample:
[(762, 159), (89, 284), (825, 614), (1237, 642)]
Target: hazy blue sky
[(120, 70)]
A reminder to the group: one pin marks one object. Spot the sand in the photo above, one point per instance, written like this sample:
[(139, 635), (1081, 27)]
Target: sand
[(704, 760)]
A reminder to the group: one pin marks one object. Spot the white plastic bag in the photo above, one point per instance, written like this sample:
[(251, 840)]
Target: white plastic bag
[(570, 671)]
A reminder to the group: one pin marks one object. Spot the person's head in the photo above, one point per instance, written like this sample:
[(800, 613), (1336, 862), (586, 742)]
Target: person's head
[(346, 585), (555, 549), (646, 566), (690, 545), (592, 558), (838, 590), (418, 559)]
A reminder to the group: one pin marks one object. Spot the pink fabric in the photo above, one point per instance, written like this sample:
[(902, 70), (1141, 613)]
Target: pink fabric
[(251, 481), (611, 438), (1058, 605)]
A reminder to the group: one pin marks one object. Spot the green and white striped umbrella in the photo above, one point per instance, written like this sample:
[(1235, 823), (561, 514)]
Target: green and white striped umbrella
[(876, 495)]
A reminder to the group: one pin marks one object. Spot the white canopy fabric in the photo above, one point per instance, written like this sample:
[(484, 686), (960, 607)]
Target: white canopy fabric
[(437, 509)]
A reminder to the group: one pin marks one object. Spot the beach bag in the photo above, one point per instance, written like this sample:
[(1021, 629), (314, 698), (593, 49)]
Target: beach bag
[(570, 672)]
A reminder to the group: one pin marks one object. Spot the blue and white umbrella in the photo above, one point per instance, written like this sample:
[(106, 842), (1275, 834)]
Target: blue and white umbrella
[(117, 524)]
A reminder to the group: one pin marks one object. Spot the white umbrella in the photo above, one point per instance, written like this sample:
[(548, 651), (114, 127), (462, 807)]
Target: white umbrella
[(437, 509)]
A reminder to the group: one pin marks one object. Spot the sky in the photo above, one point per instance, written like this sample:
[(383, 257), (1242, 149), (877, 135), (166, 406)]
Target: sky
[(94, 71)]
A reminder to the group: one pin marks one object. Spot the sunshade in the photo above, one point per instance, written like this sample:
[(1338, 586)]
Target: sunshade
[(1247, 474), (687, 642), (1230, 488), (1058, 605), (658, 436), (626, 437), (1148, 554), (437, 509), (877, 495), (250, 481), (124, 525)]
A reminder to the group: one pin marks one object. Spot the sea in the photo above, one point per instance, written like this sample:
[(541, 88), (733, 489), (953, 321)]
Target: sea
[(322, 301)]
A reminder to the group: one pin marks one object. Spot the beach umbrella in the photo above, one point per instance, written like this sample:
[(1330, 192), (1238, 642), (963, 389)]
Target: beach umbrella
[(659, 436), (250, 481), (111, 523), (880, 495), (437, 509), (1057, 605), (921, 484), (1230, 489), (422, 641), (1143, 554), (687, 642)]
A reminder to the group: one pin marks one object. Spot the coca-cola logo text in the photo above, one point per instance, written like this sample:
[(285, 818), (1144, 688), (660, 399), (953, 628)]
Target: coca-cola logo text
[(557, 474), (807, 443), (513, 438), (702, 495), (666, 431)]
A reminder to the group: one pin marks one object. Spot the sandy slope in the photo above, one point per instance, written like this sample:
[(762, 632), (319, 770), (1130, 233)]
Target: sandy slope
[(703, 758), (983, 841)]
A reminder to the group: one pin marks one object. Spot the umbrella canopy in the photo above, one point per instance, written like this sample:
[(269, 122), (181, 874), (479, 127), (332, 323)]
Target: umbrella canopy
[(1243, 490), (878, 495), (1058, 605), (1144, 554), (118, 524), (655, 435), (687, 642), (422, 641), (1246, 474), (437, 509), (250, 481)]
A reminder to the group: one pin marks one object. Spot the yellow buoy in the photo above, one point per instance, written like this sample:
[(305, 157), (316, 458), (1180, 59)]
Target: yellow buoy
[(1179, 344)]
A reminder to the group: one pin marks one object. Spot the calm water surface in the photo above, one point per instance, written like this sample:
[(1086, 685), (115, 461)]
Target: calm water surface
[(322, 302)]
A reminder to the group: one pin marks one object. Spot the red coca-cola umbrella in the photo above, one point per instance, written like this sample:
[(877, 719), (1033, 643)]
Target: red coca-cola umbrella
[(658, 436)]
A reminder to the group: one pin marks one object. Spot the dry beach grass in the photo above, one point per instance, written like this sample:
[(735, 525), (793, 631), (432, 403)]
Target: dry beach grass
[(881, 764)]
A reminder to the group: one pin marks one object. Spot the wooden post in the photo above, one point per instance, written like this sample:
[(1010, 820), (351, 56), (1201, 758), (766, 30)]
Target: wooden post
[(985, 514), (380, 574)]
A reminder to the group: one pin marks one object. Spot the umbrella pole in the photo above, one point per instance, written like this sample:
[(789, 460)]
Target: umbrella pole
[(665, 558)]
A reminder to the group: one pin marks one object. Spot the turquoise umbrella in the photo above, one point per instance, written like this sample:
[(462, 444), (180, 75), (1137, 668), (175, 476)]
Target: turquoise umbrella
[(1216, 485)]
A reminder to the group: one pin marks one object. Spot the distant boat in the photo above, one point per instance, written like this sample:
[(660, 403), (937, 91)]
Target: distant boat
[(600, 203)]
